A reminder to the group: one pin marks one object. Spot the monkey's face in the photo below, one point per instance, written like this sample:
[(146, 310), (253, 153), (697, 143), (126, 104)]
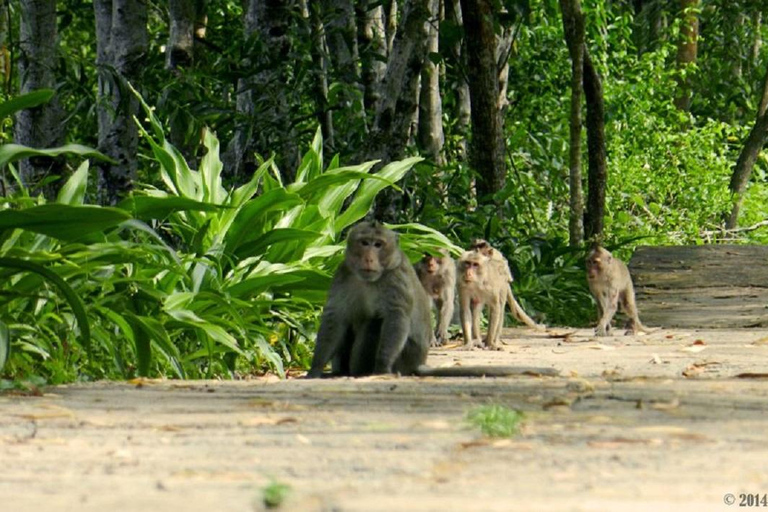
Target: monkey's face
[(597, 262), (472, 267), (431, 263), (371, 250)]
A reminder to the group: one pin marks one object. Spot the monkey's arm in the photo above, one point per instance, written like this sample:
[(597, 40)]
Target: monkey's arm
[(486, 371)]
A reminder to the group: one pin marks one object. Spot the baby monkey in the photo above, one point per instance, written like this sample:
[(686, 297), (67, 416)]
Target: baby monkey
[(438, 277), (611, 285)]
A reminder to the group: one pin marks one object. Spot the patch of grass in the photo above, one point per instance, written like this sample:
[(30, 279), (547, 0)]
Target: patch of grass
[(496, 420), (274, 494)]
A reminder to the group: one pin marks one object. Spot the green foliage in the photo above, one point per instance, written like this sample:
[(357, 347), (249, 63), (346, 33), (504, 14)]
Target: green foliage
[(496, 420), (274, 494), (189, 279)]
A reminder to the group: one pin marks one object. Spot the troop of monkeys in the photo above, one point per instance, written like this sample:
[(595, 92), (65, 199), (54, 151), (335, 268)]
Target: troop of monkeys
[(377, 318)]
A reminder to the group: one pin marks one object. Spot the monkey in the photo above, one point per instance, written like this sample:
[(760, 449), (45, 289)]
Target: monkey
[(377, 316), (438, 277), (376, 319), (502, 268), (480, 283), (611, 286)]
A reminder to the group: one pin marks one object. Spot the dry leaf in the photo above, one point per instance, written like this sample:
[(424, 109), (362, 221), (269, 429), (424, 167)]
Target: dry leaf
[(693, 349), (655, 359), (750, 375)]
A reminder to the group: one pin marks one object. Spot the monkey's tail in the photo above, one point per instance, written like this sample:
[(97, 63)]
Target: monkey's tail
[(519, 313), (486, 371)]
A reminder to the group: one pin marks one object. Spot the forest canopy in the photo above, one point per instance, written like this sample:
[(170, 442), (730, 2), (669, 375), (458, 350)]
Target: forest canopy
[(177, 177)]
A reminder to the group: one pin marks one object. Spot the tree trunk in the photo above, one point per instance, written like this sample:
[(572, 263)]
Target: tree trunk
[(597, 174), (180, 50), (39, 127), (319, 52), (341, 35), (262, 97), (573, 26), (372, 45), (487, 142), (121, 45), (185, 17), (686, 51), (459, 84), (430, 129), (748, 156), (399, 98)]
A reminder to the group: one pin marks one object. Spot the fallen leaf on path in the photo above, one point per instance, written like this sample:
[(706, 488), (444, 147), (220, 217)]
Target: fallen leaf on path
[(557, 401), (258, 422), (699, 342), (52, 412), (303, 439), (751, 375), (698, 367), (693, 349), (601, 346), (761, 341), (655, 359), (618, 442)]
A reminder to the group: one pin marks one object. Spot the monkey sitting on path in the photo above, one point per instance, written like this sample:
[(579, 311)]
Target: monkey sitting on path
[(377, 320), (611, 285)]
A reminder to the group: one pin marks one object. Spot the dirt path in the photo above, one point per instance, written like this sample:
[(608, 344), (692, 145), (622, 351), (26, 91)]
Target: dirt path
[(668, 421)]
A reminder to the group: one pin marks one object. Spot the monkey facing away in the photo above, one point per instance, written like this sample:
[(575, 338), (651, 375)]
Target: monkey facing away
[(501, 264), (611, 285), (377, 320), (438, 277)]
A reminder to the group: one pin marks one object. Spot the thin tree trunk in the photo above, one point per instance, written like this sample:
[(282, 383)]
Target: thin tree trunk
[(597, 173), (319, 52), (39, 127), (430, 128), (573, 25), (121, 45), (487, 142), (459, 84), (185, 17), (180, 51), (686, 51), (341, 35), (757, 40), (372, 45), (400, 96), (262, 98), (748, 156)]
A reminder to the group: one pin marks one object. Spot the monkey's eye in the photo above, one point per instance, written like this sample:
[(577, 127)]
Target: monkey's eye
[(378, 244)]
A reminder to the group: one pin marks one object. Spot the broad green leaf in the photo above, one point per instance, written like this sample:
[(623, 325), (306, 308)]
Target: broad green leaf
[(78, 308), (28, 100), (148, 207), (368, 190), (275, 236), (210, 170), (5, 344), (333, 199), (73, 191), (253, 286), (156, 333), (249, 219), (63, 222), (13, 152), (215, 332)]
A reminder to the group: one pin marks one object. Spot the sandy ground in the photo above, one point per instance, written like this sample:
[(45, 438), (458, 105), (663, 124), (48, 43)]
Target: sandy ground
[(674, 420)]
